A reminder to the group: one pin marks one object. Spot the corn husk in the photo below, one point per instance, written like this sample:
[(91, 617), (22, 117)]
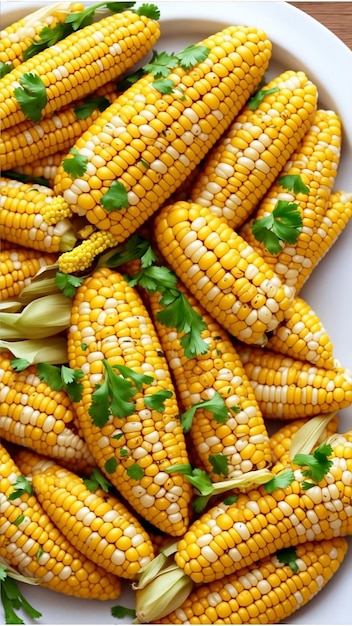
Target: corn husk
[(53, 351), (43, 317), (308, 435)]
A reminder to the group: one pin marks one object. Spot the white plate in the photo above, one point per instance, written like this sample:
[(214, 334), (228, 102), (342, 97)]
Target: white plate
[(299, 42)]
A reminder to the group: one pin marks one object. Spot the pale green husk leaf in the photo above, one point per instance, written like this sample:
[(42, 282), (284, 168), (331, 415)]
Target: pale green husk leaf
[(13, 573), (53, 351), (41, 318), (309, 434)]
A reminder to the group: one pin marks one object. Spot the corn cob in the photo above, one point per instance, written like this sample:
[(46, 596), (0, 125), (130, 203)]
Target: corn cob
[(241, 438), (281, 440), (155, 140), (45, 168), (17, 268), (302, 336), (242, 166), (266, 592), (109, 321), (228, 537), (26, 141), (288, 388), (31, 543), (316, 162), (103, 529), (16, 38), (225, 275), (67, 70), (36, 416)]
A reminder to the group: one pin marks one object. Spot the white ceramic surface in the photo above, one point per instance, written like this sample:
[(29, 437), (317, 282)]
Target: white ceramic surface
[(299, 42)]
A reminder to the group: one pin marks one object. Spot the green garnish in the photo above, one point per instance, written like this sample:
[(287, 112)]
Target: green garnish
[(84, 110), (22, 486), (115, 198), (149, 10), (85, 17), (5, 68), (62, 378), (68, 283), (19, 520), (293, 182), (47, 37), (281, 481), (219, 463), (161, 64), (122, 611), (190, 56), (288, 556), (135, 248), (231, 499), (156, 400), (164, 85), (75, 165), (12, 599), (318, 464), (111, 465), (96, 480), (27, 178), (135, 471), (31, 96), (19, 364), (283, 225), (258, 97), (216, 405), (112, 397)]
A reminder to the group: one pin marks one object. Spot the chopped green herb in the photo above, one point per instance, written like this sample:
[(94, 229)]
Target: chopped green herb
[(68, 283), (12, 598), (112, 398), (283, 225), (149, 10), (178, 313), (135, 248), (190, 56), (85, 18), (138, 379), (111, 465), (84, 346), (288, 556), (62, 378), (161, 64), (281, 481), (19, 365), (75, 165), (96, 480), (124, 452), (318, 463), (47, 37), (258, 97), (135, 471), (5, 68), (115, 198), (22, 485), (19, 520), (219, 463), (31, 96), (40, 552), (231, 499), (216, 405), (293, 182), (84, 110), (27, 178), (156, 400), (164, 85), (122, 611)]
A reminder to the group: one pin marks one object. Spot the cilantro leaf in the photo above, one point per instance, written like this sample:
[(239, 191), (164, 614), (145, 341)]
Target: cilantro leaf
[(75, 165), (47, 37), (135, 471), (219, 463), (288, 556), (122, 611), (111, 465), (258, 97), (149, 10), (12, 598), (138, 379), (84, 110), (216, 405), (68, 283), (112, 397), (180, 314), (51, 375), (19, 365), (293, 182), (281, 481), (31, 96), (318, 463), (154, 278), (62, 378), (5, 68), (22, 486), (164, 85), (115, 198), (96, 480), (136, 247), (27, 178), (161, 64), (282, 225), (156, 400), (230, 499), (85, 17), (190, 56)]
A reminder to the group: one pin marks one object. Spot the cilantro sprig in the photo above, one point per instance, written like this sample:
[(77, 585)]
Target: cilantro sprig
[(282, 225), (120, 611), (258, 97), (85, 18), (288, 556), (96, 480), (318, 464), (216, 405), (86, 108), (75, 164), (116, 198), (62, 378), (5, 68), (136, 247), (31, 96), (68, 283), (22, 486), (12, 599), (46, 38)]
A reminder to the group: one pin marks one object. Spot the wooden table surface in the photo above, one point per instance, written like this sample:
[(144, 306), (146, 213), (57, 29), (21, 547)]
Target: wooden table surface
[(337, 16)]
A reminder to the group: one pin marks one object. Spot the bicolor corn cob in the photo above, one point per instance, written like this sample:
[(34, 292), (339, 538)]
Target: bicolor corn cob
[(281, 440), (266, 592), (24, 142), (288, 388), (242, 166), (18, 36), (45, 167), (17, 268), (302, 336), (82, 62), (316, 162), (109, 321), (36, 416), (228, 537), (102, 528), (31, 543), (241, 438), (224, 274), (155, 140)]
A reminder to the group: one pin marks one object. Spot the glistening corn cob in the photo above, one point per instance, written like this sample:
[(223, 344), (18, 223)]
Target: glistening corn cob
[(239, 437), (17, 268), (302, 336), (80, 63), (224, 274), (31, 543), (266, 592), (16, 38), (242, 166), (315, 162), (152, 143), (24, 142), (230, 536), (133, 439), (38, 417), (288, 388), (102, 528)]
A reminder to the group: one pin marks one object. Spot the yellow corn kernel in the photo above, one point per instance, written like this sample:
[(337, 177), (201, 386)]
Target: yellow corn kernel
[(225, 275), (17, 268), (150, 142), (229, 537), (102, 51), (109, 321), (243, 165), (31, 543), (288, 388)]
